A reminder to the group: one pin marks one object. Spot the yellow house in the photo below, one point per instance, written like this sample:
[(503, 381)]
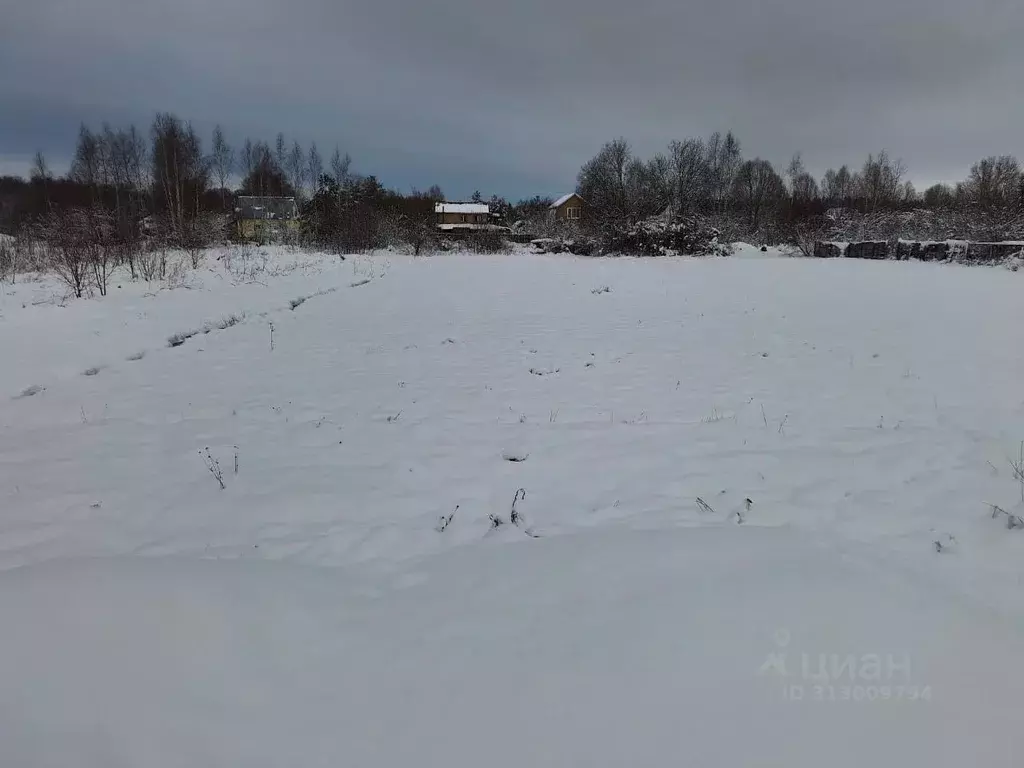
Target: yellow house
[(266, 218), (567, 208)]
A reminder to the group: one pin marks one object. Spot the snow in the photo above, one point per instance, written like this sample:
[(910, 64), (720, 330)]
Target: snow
[(461, 208), (475, 227), (69, 336), (608, 648), (748, 251), (562, 200), (311, 612)]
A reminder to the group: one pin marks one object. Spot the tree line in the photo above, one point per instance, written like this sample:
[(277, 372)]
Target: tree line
[(169, 175), (169, 184), (750, 197)]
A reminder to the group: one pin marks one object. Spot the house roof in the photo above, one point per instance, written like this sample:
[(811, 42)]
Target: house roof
[(471, 227), (259, 208), (563, 200), (462, 208)]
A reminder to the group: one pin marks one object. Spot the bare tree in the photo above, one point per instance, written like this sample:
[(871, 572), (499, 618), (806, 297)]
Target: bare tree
[(40, 168), (688, 173), (314, 168), (296, 167), (837, 186), (879, 181), (265, 176), (802, 186), (723, 157), (795, 169), (602, 183), (134, 156), (41, 174), (757, 189), (247, 158), (340, 169), (994, 181), (939, 196), (85, 165), (805, 189), (280, 151), (180, 171), (78, 241), (199, 232), (647, 186), (222, 160), (99, 241)]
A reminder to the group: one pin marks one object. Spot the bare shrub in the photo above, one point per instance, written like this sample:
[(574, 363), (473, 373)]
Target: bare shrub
[(687, 235), (418, 232), (445, 520), (151, 262), (247, 264), (704, 507), (198, 234), (103, 253), (180, 338), (176, 271), (225, 322), (487, 241), (214, 467), (8, 260), (80, 244)]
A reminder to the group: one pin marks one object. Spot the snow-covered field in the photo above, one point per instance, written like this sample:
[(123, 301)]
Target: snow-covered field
[(840, 421)]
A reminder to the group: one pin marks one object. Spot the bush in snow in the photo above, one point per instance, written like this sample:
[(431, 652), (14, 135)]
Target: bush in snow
[(487, 241), (199, 233), (80, 242), (419, 232), (685, 236), (576, 245), (7, 262)]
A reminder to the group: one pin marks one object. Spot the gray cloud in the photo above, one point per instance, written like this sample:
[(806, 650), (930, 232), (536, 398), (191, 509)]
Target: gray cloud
[(512, 97)]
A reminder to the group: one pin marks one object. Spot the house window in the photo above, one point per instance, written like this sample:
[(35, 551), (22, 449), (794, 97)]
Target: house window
[(463, 218), (572, 213)]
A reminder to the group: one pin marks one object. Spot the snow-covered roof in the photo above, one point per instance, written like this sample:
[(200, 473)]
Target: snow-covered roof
[(474, 227), (563, 200), (462, 208)]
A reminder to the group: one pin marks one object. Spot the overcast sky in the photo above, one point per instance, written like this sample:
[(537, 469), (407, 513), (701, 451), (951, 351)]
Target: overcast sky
[(513, 97)]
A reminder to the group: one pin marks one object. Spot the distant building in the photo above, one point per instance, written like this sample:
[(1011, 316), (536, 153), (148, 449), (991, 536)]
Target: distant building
[(463, 216), (567, 208), (265, 218)]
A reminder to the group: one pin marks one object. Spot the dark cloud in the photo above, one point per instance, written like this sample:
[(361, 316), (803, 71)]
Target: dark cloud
[(512, 97)]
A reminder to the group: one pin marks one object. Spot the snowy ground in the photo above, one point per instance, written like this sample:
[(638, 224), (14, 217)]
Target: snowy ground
[(310, 613)]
